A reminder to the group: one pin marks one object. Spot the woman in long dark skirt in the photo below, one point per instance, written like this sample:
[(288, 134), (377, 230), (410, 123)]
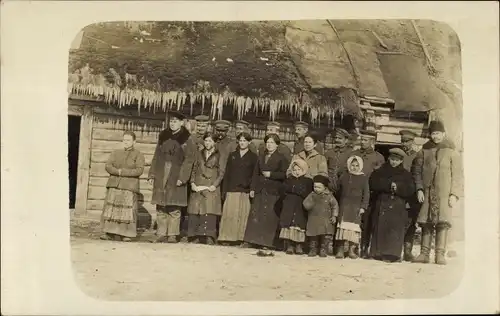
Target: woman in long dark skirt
[(392, 186), (119, 216), (205, 201), (266, 189), (236, 188)]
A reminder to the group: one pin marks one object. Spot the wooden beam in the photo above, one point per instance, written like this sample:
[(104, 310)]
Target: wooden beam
[(75, 110), (84, 154)]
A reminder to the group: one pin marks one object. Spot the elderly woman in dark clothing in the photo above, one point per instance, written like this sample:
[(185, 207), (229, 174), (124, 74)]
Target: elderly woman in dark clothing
[(125, 166), (266, 189), (236, 190), (392, 186)]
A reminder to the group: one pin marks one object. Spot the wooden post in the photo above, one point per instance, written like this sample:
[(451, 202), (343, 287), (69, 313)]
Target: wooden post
[(84, 153)]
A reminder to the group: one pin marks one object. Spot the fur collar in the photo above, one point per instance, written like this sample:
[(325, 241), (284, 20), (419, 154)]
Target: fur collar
[(444, 144), (181, 136)]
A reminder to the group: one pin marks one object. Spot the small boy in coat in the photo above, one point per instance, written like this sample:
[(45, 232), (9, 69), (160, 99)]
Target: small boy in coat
[(293, 218), (323, 211)]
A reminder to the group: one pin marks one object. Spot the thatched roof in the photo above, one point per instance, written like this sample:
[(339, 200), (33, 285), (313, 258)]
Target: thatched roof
[(377, 58)]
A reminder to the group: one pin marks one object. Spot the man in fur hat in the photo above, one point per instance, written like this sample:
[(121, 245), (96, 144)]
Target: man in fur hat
[(439, 182), (274, 128), (169, 174), (408, 145), (372, 160), (301, 130)]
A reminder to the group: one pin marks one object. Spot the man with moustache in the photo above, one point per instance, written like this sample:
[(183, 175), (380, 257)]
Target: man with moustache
[(301, 130), (202, 122), (337, 157)]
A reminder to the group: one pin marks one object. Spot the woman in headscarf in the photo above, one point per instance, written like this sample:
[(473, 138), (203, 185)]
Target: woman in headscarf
[(293, 218), (125, 166), (315, 161), (392, 186), (266, 189), (236, 189), (354, 195)]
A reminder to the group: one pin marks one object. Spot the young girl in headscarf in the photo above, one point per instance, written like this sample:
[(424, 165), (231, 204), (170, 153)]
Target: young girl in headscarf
[(354, 195), (293, 218)]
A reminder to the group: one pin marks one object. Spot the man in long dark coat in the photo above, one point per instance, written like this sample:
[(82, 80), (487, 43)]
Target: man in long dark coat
[(408, 142), (337, 156), (301, 130), (225, 144), (202, 123), (274, 128), (169, 173), (372, 160), (392, 187)]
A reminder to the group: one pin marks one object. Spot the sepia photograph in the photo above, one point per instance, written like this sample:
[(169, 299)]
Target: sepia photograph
[(266, 160)]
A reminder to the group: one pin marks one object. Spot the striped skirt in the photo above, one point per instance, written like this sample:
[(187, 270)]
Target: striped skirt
[(349, 232), (119, 215), (293, 233), (234, 216)]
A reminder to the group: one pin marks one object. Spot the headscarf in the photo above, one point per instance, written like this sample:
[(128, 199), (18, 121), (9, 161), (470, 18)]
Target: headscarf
[(302, 164), (360, 162)]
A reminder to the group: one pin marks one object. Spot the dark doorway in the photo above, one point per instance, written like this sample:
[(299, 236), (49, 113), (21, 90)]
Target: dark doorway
[(73, 144)]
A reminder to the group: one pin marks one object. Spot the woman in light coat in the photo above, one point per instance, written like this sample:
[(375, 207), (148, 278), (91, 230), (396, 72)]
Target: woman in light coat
[(315, 161)]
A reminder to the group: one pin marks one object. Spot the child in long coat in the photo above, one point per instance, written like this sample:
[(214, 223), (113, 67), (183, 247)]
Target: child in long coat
[(323, 211), (354, 195), (293, 218)]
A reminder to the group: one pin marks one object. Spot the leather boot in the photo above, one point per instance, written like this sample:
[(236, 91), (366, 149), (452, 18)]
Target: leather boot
[(329, 247), (408, 256), (322, 248), (425, 245), (313, 246), (210, 241), (441, 239), (298, 249), (352, 251), (340, 254), (289, 249)]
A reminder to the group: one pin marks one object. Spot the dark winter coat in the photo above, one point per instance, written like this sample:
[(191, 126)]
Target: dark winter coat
[(277, 164), (173, 160), (336, 159), (131, 164), (389, 213), (282, 149), (438, 167), (207, 171), (239, 172), (295, 190), (354, 194), (322, 210)]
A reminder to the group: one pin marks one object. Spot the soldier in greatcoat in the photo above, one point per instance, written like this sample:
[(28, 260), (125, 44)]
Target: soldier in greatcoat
[(337, 156), (225, 144), (202, 124), (169, 174), (439, 182)]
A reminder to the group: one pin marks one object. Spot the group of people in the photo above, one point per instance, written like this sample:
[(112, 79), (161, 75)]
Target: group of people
[(342, 202)]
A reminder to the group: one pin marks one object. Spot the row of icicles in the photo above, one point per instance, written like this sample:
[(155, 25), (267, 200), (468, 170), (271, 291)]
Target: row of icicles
[(212, 104)]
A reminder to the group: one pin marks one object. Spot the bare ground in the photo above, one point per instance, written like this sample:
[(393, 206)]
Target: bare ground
[(111, 270)]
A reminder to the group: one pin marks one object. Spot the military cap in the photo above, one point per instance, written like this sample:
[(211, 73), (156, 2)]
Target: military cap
[(398, 152), (342, 132), (176, 114), (202, 118), (242, 122), (222, 125), (407, 135), (368, 134), (436, 126), (301, 123), (273, 123)]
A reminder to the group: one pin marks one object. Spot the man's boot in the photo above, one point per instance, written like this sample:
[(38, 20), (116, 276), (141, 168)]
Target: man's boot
[(425, 245), (322, 248), (299, 250), (408, 256), (313, 246), (329, 247), (352, 251), (441, 239), (210, 241)]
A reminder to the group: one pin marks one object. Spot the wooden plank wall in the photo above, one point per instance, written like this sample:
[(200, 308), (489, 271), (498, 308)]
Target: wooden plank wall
[(107, 134)]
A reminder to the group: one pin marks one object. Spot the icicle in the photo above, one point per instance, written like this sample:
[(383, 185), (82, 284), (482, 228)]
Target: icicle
[(202, 103), (191, 101), (220, 106)]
